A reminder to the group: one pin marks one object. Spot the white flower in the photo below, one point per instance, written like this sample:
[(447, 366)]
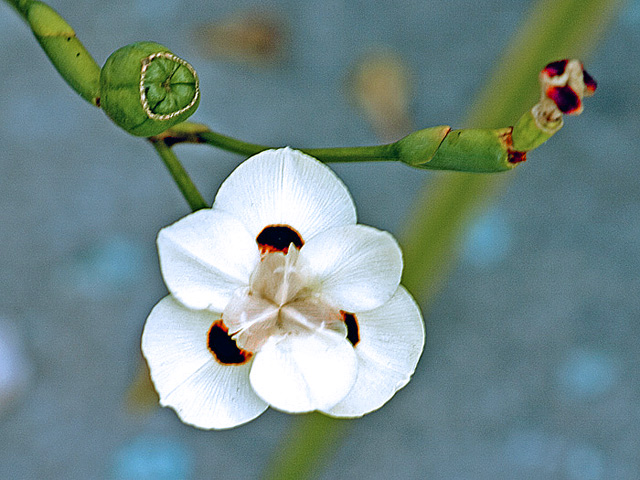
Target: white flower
[(278, 298)]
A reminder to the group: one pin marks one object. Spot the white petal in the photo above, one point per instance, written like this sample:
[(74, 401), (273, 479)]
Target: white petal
[(204, 393), (391, 341), (301, 373), (357, 267), (204, 257), (286, 187)]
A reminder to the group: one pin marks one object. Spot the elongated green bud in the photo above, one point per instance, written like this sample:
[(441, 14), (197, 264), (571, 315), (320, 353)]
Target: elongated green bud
[(145, 89), (472, 150), (563, 85), (65, 51)]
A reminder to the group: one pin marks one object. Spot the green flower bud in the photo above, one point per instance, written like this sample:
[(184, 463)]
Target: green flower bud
[(145, 89)]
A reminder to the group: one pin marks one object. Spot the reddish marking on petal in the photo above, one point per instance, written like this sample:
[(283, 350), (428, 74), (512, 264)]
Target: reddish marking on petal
[(278, 238), (565, 98), (353, 330), (589, 82), (554, 69), (223, 347), (516, 157)]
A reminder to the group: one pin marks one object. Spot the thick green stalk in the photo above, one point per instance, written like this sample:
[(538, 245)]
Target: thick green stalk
[(180, 176), (310, 443), (553, 29), (66, 52)]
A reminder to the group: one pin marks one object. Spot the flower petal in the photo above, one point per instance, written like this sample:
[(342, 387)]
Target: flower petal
[(356, 266), (301, 373), (391, 341), (203, 392), (204, 257), (286, 187)]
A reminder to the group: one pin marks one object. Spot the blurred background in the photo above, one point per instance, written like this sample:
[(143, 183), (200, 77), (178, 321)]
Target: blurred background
[(531, 364)]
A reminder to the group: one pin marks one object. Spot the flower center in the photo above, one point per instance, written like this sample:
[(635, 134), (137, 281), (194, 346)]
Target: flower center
[(280, 300)]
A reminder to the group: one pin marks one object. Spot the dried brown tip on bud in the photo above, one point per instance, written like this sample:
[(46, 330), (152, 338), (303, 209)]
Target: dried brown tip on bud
[(564, 83)]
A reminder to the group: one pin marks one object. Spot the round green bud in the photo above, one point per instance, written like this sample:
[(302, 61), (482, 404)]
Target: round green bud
[(145, 89)]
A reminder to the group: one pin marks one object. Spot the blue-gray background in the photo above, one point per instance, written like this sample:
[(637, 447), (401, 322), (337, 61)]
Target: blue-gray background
[(531, 364)]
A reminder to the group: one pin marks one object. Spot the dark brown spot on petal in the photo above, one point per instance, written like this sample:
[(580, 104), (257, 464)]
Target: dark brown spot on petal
[(223, 347), (556, 68), (277, 238), (353, 331), (565, 98)]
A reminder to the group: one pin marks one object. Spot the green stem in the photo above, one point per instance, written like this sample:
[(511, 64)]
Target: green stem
[(56, 37), (435, 148), (180, 176), (311, 441), (377, 153)]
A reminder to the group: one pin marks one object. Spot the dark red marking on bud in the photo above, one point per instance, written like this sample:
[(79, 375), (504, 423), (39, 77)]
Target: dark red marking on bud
[(277, 238), (565, 98), (554, 69), (513, 156), (516, 157), (353, 331), (223, 347), (589, 82)]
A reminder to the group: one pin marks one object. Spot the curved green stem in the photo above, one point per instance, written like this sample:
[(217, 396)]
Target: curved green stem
[(377, 153), (66, 52), (180, 176)]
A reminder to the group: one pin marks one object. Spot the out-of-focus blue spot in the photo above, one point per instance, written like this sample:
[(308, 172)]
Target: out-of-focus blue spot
[(532, 449), (15, 370), (153, 458), (488, 239), (103, 268), (584, 462), (586, 374)]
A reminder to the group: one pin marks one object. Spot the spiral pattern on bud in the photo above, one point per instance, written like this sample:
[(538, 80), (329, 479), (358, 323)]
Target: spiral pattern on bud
[(146, 89)]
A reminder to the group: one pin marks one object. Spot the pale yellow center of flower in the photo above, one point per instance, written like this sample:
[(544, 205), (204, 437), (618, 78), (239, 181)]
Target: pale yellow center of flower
[(281, 299)]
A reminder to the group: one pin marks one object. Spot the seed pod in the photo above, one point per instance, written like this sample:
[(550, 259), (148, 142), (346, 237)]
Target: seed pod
[(145, 89)]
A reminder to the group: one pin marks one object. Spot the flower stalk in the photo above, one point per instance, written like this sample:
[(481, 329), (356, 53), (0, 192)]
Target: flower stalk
[(58, 40), (441, 148), (180, 176)]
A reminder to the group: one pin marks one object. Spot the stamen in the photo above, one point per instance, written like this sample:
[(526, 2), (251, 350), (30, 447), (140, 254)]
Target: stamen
[(223, 347), (277, 238), (353, 331)]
